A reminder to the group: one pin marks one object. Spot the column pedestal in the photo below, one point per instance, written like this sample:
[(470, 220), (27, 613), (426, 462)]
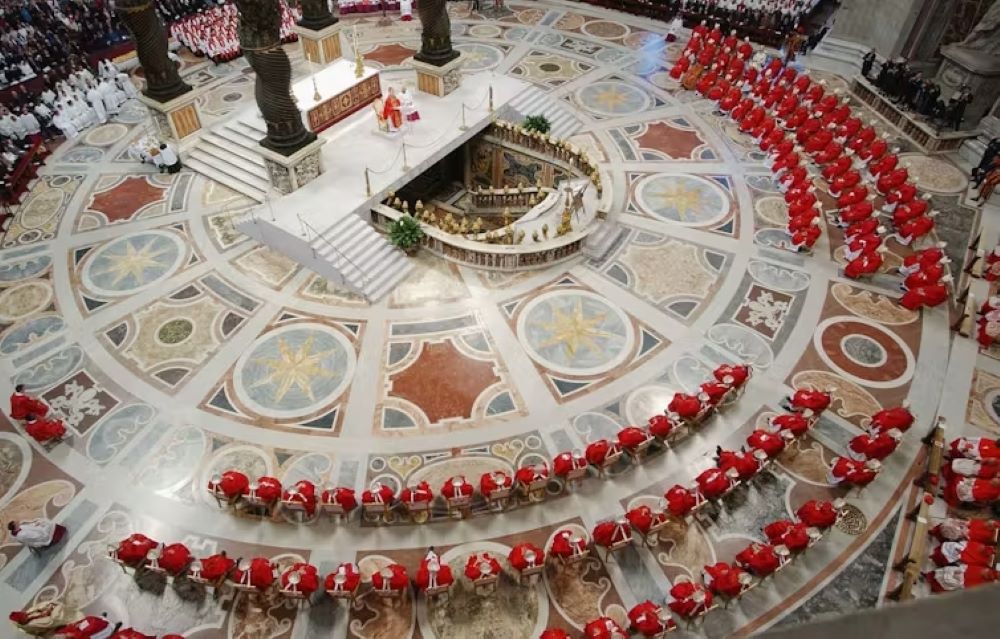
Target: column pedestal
[(177, 120), (323, 46), (287, 173), (978, 69), (439, 81)]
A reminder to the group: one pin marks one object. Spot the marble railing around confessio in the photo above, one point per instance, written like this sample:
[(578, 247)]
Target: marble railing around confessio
[(512, 197), (497, 257), (558, 152)]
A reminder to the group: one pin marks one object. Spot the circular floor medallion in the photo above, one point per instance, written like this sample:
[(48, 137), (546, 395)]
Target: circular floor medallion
[(864, 352), (106, 134), (933, 174), (23, 300), (685, 199), (575, 332), (133, 263), (294, 370), (613, 98)]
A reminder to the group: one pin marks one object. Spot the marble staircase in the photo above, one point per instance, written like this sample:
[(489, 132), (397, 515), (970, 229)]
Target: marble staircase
[(366, 261), (534, 101), (228, 154)]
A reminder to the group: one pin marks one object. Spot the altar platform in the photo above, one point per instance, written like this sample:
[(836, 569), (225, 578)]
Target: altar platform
[(325, 226), (340, 93)]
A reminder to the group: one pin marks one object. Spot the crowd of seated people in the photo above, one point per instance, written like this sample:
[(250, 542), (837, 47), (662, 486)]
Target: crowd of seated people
[(174, 10), (66, 107), (212, 32), (38, 35), (768, 21)]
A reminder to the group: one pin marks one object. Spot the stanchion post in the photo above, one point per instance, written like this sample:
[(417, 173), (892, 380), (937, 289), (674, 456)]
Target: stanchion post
[(491, 98), (463, 127), (368, 182), (406, 165)]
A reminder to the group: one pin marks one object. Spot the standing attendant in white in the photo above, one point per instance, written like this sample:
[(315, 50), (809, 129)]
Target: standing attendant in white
[(406, 10), (170, 162), (409, 107)]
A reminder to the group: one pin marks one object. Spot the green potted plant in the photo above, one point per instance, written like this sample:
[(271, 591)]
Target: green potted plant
[(405, 234), (538, 123)]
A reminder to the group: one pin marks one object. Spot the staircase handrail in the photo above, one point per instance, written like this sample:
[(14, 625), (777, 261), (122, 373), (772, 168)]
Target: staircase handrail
[(364, 278)]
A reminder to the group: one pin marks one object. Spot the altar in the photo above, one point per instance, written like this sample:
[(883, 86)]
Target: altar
[(340, 94)]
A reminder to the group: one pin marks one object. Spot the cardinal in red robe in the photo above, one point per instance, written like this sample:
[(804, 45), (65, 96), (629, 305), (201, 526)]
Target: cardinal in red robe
[(22, 405)]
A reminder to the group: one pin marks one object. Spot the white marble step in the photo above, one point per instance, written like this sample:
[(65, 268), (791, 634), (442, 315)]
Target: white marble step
[(256, 192), (252, 178), (365, 259), (221, 148), (238, 138), (535, 102), (251, 128)]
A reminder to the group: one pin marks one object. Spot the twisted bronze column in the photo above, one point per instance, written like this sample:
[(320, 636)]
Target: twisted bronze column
[(316, 15), (163, 82), (435, 38), (260, 38)]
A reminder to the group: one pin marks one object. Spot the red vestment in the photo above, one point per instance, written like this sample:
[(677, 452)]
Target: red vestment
[(794, 423), (932, 295), (454, 487), (689, 599), (481, 566), (713, 483), (525, 555), (792, 535), (609, 533), (680, 500), (134, 548), (22, 405), (45, 430), (495, 480), (260, 575), (660, 426), (308, 578), (394, 579), (745, 464), (759, 559), (687, 406), (646, 619), (392, 111), (348, 581), (345, 497), (442, 579), (268, 489), (771, 444), (723, 579), (817, 514), (632, 437), (216, 567), (175, 558), (231, 484), (564, 545)]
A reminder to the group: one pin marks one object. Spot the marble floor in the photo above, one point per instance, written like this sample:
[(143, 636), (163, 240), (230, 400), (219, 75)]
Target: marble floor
[(176, 348)]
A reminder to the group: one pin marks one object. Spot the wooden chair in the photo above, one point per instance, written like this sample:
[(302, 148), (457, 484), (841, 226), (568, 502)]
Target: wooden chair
[(498, 499), (535, 491), (530, 575), (194, 576), (220, 499), (652, 536), (253, 502), (293, 505), (638, 454), (333, 509), (291, 592), (609, 460), (486, 586), (419, 511), (113, 556), (459, 506), (374, 511), (574, 477)]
